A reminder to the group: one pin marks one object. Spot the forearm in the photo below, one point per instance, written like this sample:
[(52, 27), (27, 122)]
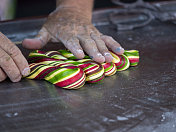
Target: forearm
[(83, 6)]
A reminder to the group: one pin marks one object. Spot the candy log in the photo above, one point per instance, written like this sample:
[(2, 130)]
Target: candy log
[(94, 71), (133, 56), (121, 61), (63, 69), (69, 77), (109, 68)]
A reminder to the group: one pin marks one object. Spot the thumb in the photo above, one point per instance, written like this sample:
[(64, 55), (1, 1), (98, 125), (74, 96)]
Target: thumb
[(39, 41)]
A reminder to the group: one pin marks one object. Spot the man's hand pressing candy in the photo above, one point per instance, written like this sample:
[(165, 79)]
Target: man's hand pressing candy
[(71, 24)]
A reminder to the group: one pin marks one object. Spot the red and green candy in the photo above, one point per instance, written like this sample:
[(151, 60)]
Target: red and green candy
[(63, 69)]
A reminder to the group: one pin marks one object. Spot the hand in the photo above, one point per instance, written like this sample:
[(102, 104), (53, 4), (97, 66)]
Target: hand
[(12, 62), (75, 30)]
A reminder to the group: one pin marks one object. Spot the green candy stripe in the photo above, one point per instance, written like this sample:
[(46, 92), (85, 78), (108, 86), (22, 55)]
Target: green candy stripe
[(70, 56), (55, 55), (109, 68), (133, 56), (67, 54), (124, 63), (131, 53), (62, 74)]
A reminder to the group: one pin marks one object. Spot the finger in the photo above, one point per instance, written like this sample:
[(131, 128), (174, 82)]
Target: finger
[(112, 44), (73, 45), (90, 48), (9, 67), (39, 41), (2, 75), (10, 50), (102, 47)]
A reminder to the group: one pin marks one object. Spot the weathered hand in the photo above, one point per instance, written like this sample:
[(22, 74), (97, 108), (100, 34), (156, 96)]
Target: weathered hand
[(75, 30), (12, 62)]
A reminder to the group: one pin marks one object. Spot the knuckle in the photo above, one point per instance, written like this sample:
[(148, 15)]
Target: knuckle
[(4, 58), (14, 51), (99, 41), (72, 40), (109, 38), (104, 51), (88, 41)]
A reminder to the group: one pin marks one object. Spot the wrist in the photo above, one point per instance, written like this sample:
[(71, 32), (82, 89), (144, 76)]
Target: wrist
[(71, 10), (83, 7)]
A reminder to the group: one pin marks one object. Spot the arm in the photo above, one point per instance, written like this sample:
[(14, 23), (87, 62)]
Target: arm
[(82, 6), (71, 24)]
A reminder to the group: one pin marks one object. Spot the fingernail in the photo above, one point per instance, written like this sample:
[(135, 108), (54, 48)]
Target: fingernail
[(80, 51), (100, 55), (119, 49), (107, 54), (91, 57), (26, 71)]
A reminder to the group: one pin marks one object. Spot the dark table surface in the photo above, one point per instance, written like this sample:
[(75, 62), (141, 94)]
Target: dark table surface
[(140, 99)]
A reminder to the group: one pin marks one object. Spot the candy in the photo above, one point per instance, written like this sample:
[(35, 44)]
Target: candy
[(133, 56), (121, 61), (109, 68), (70, 77), (63, 69), (93, 70)]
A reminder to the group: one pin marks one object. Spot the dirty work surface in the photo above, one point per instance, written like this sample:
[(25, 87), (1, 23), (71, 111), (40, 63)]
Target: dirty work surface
[(142, 98)]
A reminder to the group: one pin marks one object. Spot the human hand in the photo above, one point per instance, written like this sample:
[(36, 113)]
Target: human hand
[(12, 62), (74, 29)]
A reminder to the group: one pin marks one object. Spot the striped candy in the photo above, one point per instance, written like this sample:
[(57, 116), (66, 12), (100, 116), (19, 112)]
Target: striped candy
[(109, 68), (67, 54), (93, 70), (69, 77), (63, 69), (121, 61), (133, 56)]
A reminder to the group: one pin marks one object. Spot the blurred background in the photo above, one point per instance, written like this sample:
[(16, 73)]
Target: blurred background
[(10, 9)]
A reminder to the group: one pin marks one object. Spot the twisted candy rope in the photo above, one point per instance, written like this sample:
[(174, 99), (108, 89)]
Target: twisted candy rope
[(93, 70), (63, 69)]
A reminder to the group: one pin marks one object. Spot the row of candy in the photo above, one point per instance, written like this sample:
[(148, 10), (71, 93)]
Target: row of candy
[(63, 69)]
